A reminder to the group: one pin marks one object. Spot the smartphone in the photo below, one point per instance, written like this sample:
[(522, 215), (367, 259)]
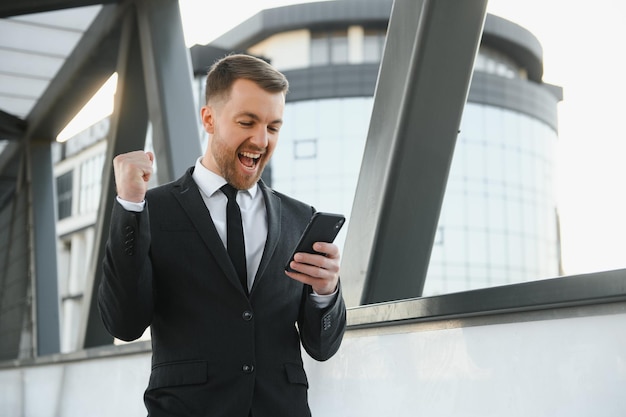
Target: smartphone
[(323, 227)]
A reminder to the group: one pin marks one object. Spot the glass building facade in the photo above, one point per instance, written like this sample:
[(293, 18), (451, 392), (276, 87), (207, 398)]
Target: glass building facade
[(498, 221)]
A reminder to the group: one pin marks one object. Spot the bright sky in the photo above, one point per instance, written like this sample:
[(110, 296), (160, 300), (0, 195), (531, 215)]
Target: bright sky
[(583, 44)]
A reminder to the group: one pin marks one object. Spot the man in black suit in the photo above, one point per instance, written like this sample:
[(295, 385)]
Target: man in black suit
[(220, 346)]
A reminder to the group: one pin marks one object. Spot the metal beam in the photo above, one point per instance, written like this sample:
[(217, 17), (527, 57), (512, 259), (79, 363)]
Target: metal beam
[(44, 249), (15, 267), (11, 127), (127, 132), (154, 83), (10, 158), (91, 63), (422, 88), (168, 77), (16, 8)]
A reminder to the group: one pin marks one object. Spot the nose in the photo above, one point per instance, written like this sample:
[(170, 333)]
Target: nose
[(260, 137)]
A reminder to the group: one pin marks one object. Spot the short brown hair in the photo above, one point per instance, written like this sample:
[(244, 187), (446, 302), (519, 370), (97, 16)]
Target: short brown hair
[(224, 72)]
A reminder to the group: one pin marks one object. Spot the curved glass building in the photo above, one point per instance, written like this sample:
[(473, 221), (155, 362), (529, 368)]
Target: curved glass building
[(498, 222)]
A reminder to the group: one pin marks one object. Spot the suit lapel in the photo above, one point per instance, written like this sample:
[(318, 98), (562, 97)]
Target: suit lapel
[(186, 192), (273, 209)]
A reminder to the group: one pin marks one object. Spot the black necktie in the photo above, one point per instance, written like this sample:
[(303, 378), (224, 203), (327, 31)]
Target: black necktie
[(234, 235)]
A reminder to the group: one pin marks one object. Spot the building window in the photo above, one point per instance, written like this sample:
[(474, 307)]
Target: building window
[(305, 149), (64, 194), (319, 50), (90, 184), (329, 48), (494, 62), (338, 47), (373, 43)]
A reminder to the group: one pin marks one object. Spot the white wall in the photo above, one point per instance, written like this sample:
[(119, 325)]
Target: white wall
[(564, 367), (537, 364), (111, 386)]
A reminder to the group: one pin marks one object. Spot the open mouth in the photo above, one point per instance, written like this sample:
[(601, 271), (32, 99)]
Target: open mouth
[(249, 159)]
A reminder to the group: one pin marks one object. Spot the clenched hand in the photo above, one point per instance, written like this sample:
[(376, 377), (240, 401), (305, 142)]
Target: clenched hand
[(132, 173)]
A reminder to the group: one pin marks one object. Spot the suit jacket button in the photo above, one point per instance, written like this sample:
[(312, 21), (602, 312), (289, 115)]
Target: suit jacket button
[(247, 315), (247, 369)]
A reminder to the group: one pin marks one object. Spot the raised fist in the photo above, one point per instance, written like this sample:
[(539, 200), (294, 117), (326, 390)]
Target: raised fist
[(132, 173)]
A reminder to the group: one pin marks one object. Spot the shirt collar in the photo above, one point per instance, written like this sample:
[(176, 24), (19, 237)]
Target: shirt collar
[(209, 182)]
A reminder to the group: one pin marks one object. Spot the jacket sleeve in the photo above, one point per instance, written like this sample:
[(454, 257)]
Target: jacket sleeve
[(322, 330), (125, 297)]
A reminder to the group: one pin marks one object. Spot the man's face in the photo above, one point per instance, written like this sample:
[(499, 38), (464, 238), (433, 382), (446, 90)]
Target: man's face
[(243, 131)]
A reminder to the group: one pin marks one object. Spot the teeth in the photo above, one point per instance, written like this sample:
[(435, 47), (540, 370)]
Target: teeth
[(251, 155)]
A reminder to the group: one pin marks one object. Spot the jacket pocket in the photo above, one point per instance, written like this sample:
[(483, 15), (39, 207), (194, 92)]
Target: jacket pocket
[(296, 374), (178, 373)]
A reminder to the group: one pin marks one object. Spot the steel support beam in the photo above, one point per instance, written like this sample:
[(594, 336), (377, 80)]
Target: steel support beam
[(420, 94), (44, 249), (16, 8), (11, 127), (81, 75), (127, 132), (91, 63), (154, 83), (168, 77)]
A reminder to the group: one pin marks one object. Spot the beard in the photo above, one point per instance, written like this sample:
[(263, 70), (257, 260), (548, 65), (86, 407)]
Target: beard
[(227, 161)]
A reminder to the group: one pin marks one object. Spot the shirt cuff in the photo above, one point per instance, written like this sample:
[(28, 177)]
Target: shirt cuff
[(323, 301), (130, 206)]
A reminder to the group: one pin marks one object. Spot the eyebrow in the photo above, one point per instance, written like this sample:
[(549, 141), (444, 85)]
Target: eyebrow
[(256, 117)]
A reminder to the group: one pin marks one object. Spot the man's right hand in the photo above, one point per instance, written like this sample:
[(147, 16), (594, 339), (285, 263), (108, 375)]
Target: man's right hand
[(132, 173)]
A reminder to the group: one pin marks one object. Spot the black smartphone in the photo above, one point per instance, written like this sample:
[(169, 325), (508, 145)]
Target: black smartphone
[(323, 227)]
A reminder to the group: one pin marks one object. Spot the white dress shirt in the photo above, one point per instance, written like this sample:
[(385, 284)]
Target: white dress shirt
[(253, 216)]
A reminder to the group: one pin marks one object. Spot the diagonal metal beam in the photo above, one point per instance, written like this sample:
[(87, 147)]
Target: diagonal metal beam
[(91, 63), (11, 127), (128, 129), (154, 83), (421, 91), (16, 8), (168, 77)]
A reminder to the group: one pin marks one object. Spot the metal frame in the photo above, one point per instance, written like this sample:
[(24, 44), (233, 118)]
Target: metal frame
[(548, 294), (154, 84), (168, 77), (421, 91), (91, 63), (129, 121), (421, 85), (44, 242)]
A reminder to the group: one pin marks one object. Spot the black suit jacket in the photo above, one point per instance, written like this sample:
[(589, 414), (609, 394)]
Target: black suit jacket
[(215, 351)]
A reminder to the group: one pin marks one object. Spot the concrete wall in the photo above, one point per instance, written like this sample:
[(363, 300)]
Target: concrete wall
[(559, 362)]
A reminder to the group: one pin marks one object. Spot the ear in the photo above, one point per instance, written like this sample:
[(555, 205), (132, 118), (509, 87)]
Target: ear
[(207, 114)]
